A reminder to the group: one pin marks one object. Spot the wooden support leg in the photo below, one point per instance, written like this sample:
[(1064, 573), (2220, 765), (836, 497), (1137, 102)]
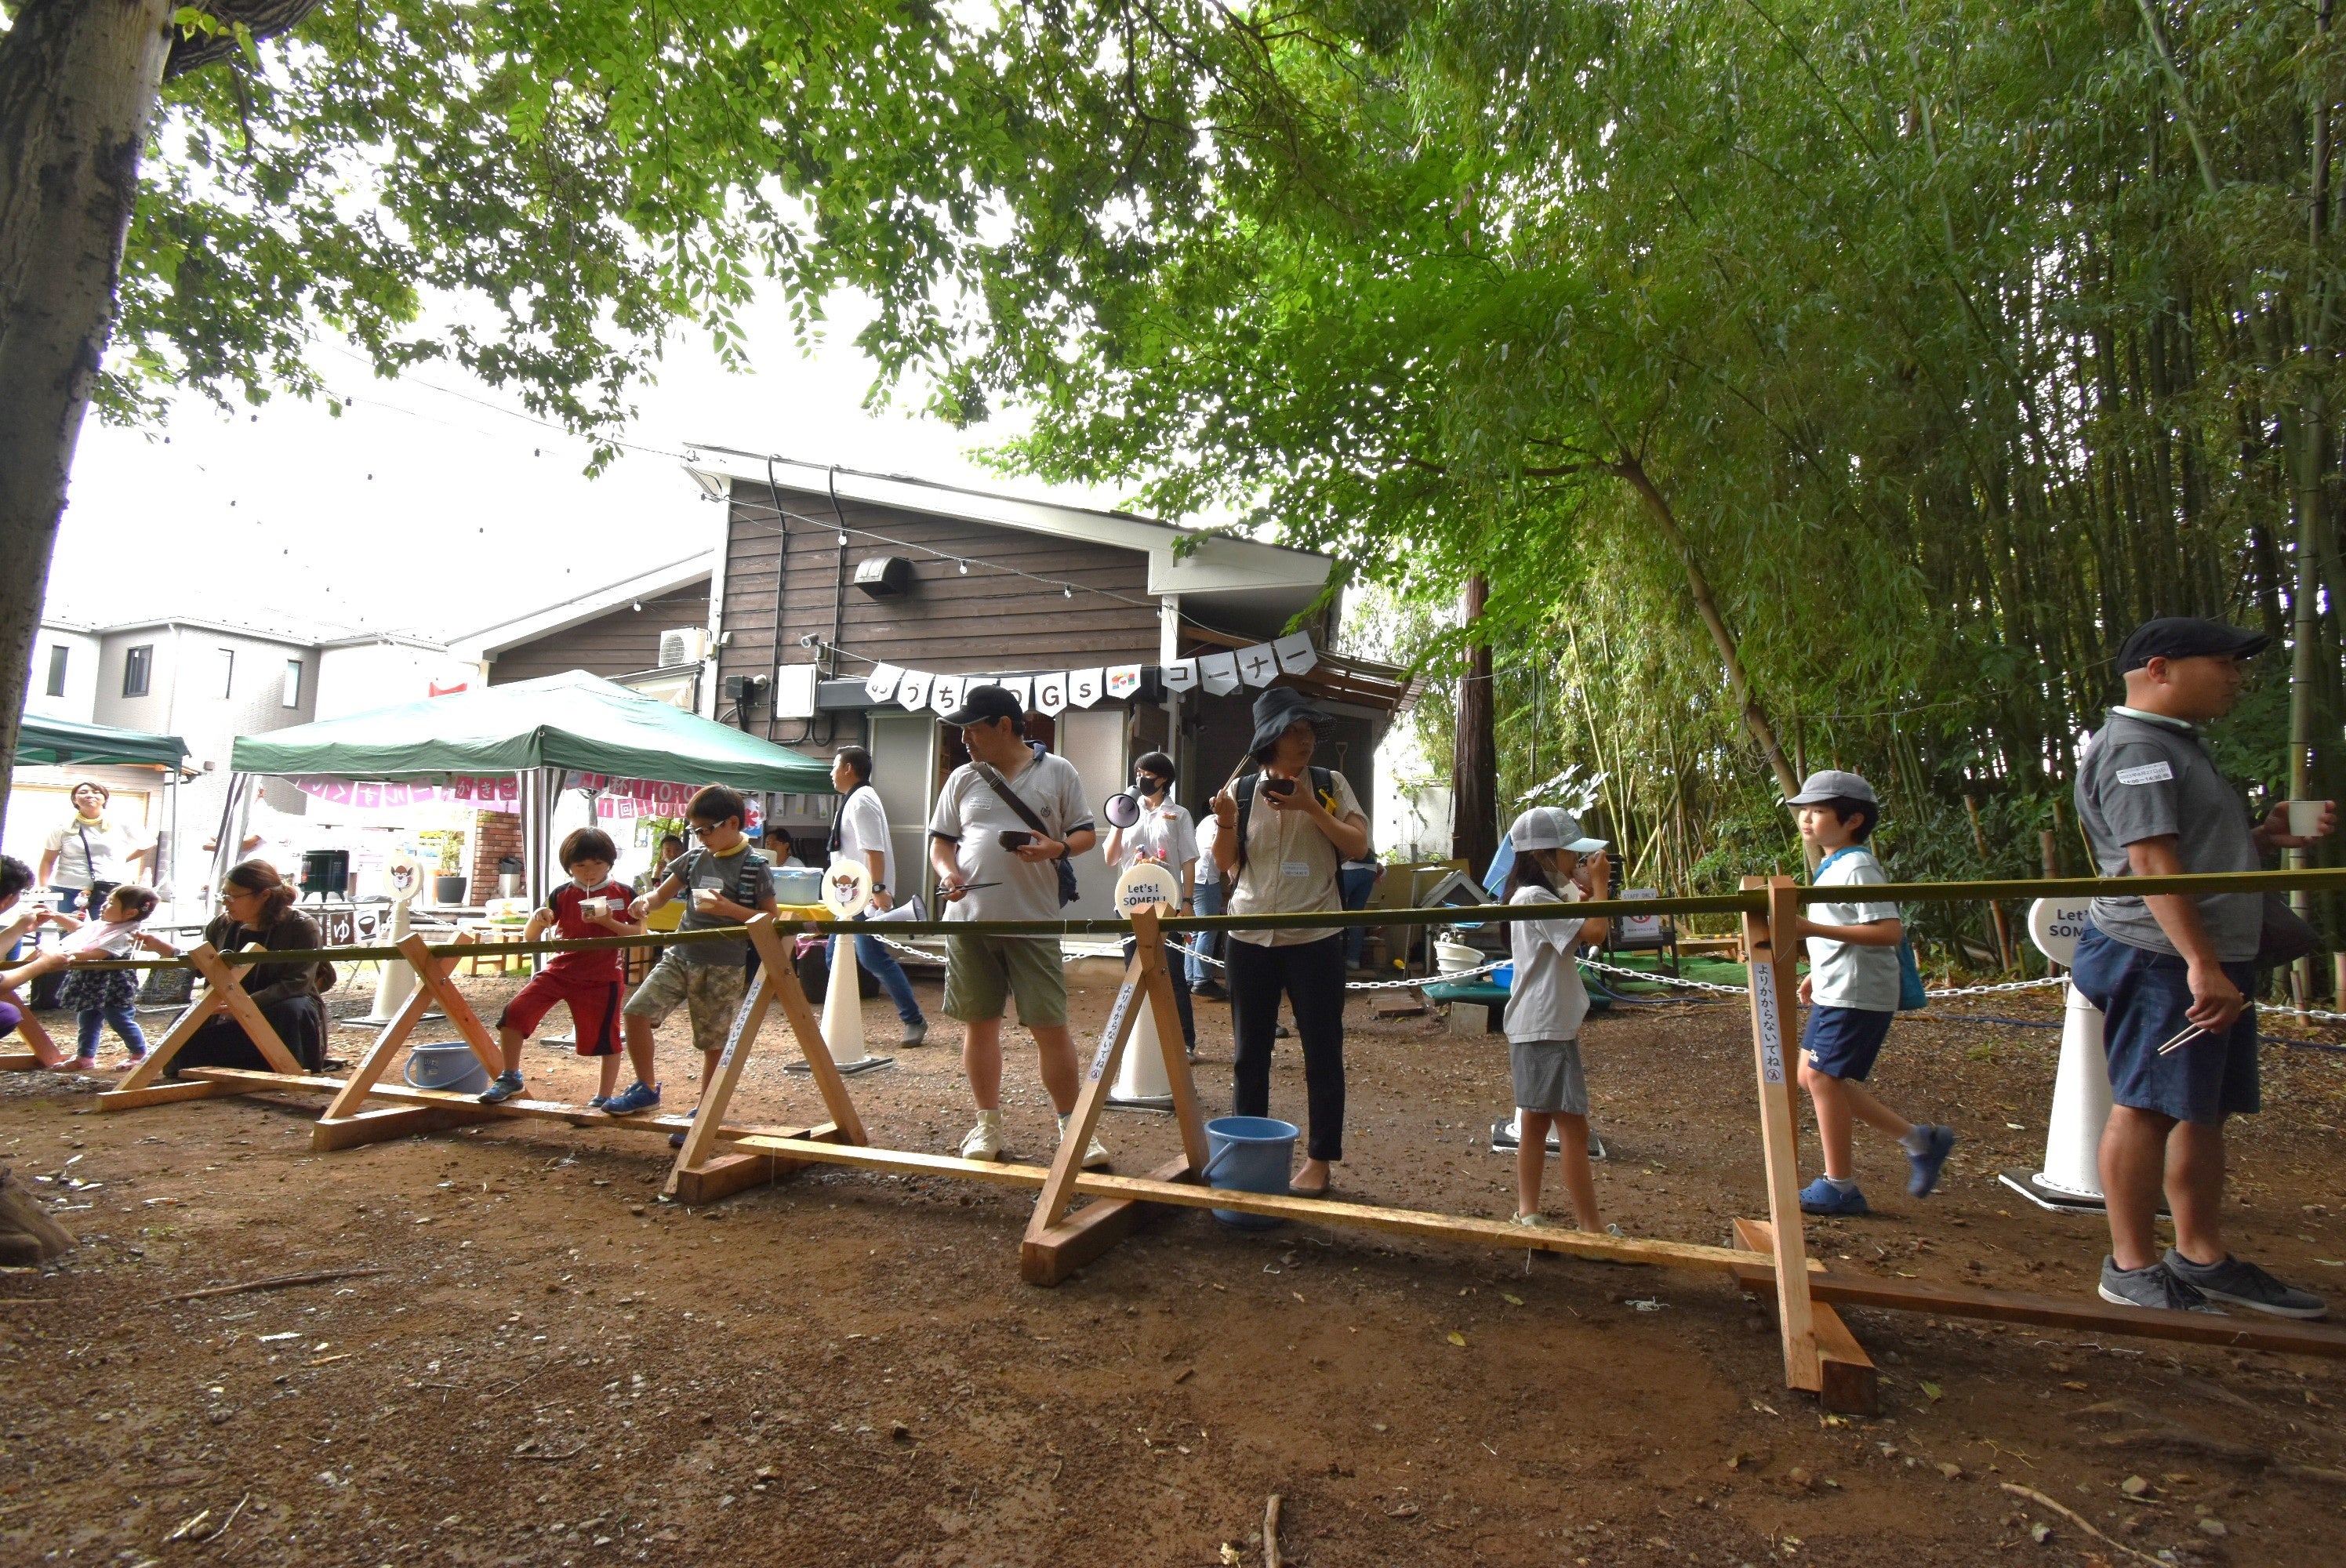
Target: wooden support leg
[(349, 1106), (1056, 1244), (43, 1050), (700, 1142), (137, 1086), (1849, 1384), (1773, 1028), (808, 1029), (439, 984)]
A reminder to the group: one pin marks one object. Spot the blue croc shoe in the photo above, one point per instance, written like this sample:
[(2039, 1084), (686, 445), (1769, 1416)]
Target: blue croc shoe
[(1931, 1161), (1821, 1196), (637, 1096)]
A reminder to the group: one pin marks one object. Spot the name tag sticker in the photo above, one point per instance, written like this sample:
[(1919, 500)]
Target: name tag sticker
[(2148, 773), (1295, 868)]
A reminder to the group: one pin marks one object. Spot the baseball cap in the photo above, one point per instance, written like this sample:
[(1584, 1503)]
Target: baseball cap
[(984, 704), (1832, 784), (1550, 828), (2186, 636)]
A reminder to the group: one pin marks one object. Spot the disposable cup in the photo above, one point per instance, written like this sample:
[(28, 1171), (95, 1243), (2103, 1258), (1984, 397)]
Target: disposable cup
[(704, 898), (2305, 817)]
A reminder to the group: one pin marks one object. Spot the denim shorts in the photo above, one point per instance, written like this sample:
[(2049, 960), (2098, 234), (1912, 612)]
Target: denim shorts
[(2143, 996), (1842, 1042)]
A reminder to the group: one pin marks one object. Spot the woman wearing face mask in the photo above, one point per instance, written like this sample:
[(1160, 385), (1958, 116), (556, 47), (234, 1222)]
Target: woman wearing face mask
[(1166, 834)]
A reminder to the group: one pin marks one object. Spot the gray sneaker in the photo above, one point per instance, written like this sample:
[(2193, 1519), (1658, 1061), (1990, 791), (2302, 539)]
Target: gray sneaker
[(2243, 1284), (2151, 1287), (915, 1034)]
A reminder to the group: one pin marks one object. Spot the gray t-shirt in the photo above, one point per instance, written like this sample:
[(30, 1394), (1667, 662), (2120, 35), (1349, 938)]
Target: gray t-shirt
[(973, 814), (2145, 777), (744, 877), (1848, 973)]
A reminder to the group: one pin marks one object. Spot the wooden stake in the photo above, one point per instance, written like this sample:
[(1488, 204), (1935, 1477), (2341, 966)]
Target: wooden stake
[(239, 1004), (1849, 1383), (28, 1029), (1158, 984), (1059, 1190), (1774, 1027), (776, 960)]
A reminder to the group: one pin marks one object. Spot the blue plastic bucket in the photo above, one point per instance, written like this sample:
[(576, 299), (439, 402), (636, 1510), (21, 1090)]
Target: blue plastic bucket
[(1503, 977), (1248, 1154), (450, 1068)]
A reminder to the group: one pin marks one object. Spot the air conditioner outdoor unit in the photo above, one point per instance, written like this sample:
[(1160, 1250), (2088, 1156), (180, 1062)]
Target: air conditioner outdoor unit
[(683, 645)]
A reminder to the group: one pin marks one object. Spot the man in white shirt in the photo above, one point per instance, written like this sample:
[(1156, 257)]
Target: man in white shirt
[(1205, 899), (995, 861), (859, 832)]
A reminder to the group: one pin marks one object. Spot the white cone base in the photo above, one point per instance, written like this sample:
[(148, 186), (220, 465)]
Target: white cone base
[(842, 1009), (396, 983), (1141, 1082), (2081, 1105)]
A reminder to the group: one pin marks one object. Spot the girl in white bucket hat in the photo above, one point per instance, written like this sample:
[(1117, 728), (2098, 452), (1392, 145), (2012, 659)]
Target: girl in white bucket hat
[(1547, 1004)]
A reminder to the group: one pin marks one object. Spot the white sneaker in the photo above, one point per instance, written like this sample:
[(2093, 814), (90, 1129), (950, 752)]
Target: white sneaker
[(1095, 1154), (983, 1141)]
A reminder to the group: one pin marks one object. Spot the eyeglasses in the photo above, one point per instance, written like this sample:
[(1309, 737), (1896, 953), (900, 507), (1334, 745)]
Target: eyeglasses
[(699, 831)]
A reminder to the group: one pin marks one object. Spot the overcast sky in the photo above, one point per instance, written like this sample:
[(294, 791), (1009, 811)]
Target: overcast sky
[(433, 505)]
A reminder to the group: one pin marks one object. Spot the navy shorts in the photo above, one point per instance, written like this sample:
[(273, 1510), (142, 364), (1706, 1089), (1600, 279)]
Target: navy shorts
[(1842, 1042), (2143, 996)]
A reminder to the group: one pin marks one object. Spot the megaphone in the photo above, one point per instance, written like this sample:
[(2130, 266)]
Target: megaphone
[(910, 909), (1122, 810)]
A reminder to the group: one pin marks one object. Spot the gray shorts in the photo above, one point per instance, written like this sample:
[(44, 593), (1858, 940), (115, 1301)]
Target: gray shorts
[(1548, 1076)]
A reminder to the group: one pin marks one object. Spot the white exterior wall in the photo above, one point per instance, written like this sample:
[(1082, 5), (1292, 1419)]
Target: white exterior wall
[(355, 677), (79, 702)]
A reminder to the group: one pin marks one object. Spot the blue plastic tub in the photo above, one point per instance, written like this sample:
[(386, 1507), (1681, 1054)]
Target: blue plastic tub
[(1248, 1154), (1503, 977), (453, 1069)]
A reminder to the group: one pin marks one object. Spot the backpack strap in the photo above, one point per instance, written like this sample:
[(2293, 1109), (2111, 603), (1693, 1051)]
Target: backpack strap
[(1246, 812)]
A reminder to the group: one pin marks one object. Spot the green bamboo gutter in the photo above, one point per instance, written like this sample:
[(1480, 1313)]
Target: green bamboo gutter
[(1753, 901)]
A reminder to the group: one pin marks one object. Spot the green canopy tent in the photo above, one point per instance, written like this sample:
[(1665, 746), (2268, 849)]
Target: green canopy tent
[(569, 730), (60, 742)]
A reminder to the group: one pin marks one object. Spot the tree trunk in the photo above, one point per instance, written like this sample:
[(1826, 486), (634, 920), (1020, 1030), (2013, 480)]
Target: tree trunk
[(1475, 754), (78, 81), (1739, 683)]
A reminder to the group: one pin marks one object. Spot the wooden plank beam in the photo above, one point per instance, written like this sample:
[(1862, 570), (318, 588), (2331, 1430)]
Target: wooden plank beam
[(1774, 1026), (897, 1162), (239, 1004), (384, 1123), (1067, 1163), (352, 1099), (44, 1052), (1850, 1385), (169, 1094), (2083, 1315), (1164, 1012)]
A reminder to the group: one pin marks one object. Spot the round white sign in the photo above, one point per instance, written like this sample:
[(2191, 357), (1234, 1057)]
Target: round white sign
[(846, 889), (2055, 924), (1146, 884), (405, 874)]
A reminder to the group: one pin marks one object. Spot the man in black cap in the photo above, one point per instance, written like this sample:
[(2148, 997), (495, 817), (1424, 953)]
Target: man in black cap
[(2173, 974), (1001, 821)]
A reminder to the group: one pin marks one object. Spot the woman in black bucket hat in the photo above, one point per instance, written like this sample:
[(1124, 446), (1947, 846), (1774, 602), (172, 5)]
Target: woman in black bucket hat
[(1286, 827)]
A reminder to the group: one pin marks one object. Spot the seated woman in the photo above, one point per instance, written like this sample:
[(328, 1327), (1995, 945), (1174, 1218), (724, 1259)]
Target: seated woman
[(257, 905)]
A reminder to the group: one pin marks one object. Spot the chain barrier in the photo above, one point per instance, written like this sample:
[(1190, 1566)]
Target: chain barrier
[(1404, 983)]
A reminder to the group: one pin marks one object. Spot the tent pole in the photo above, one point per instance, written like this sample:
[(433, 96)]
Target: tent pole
[(236, 811)]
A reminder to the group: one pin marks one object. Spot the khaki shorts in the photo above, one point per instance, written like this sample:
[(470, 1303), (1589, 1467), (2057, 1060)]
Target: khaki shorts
[(982, 973), (712, 993)]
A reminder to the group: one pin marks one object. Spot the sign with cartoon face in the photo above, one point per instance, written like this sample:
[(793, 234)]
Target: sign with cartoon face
[(1146, 884), (846, 888), (2055, 924), (406, 877)]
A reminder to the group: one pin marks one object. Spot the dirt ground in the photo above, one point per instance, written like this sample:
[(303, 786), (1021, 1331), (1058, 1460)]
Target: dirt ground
[(553, 1367)]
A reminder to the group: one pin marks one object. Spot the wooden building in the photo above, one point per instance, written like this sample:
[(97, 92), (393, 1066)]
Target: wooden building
[(647, 631), (827, 573)]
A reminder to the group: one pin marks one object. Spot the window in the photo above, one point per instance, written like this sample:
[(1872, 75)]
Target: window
[(292, 683), (137, 666), (227, 672), (57, 653)]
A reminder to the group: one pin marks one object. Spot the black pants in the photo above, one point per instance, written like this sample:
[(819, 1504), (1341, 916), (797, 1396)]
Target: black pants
[(221, 1042), (1312, 976), (1176, 965)]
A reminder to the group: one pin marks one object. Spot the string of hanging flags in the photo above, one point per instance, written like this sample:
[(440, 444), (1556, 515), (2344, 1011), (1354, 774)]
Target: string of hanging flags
[(1053, 691)]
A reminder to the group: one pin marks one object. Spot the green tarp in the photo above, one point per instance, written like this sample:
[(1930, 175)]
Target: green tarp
[(573, 720), (60, 742)]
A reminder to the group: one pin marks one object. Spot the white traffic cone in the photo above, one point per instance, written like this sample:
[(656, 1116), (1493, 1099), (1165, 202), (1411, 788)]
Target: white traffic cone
[(842, 1012), (396, 983), (2072, 1176), (1141, 1084)]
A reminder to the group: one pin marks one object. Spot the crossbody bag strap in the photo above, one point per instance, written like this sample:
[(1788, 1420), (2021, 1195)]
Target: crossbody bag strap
[(1001, 785)]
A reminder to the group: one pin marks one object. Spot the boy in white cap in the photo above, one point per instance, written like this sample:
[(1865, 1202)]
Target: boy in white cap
[(1546, 1004), (1852, 993)]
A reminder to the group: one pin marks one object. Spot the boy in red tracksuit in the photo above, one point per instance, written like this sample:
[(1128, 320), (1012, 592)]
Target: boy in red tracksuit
[(589, 981)]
